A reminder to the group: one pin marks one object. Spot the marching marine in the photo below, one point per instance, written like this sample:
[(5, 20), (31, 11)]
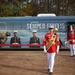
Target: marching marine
[(71, 42), (51, 47)]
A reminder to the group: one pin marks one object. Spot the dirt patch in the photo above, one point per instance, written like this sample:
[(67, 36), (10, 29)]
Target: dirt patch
[(34, 63)]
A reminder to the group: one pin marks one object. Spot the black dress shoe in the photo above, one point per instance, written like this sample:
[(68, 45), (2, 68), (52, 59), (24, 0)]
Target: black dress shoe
[(51, 73), (73, 55)]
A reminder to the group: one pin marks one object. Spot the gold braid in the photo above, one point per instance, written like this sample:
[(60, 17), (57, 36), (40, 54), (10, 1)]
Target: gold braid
[(49, 44)]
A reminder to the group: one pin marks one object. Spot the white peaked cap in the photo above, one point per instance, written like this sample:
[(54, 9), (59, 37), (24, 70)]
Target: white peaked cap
[(34, 31), (51, 27)]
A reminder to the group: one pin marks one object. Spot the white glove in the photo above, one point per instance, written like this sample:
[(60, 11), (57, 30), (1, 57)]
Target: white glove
[(73, 40), (66, 42), (58, 49), (15, 43), (45, 51)]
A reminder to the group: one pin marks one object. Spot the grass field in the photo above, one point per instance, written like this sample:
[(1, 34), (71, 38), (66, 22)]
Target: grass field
[(34, 63)]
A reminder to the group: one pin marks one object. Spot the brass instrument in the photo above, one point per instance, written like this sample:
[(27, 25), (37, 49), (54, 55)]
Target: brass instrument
[(51, 41)]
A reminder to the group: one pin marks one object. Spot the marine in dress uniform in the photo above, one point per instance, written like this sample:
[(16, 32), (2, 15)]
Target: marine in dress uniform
[(71, 39), (15, 40), (51, 45), (34, 40)]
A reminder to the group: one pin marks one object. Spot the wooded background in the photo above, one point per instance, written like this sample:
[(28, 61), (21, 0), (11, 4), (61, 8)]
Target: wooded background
[(34, 7)]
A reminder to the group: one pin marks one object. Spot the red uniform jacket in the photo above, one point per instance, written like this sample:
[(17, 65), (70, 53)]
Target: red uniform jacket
[(56, 43), (71, 38)]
